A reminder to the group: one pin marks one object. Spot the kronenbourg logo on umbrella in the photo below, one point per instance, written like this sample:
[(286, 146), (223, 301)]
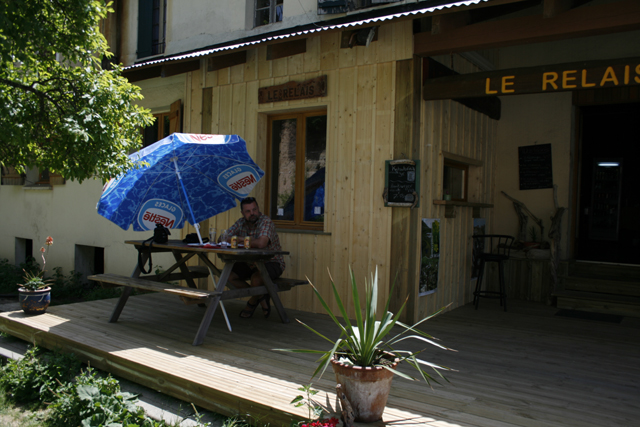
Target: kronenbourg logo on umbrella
[(158, 211), (239, 180)]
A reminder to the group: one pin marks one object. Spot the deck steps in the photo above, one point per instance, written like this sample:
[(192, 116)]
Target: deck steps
[(604, 270), (600, 288), (603, 286)]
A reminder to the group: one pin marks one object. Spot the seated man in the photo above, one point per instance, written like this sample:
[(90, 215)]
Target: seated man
[(262, 234)]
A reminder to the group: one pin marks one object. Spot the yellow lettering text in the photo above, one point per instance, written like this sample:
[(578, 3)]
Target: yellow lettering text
[(506, 82), (609, 76), (584, 80), (637, 78), (487, 86), (549, 79), (566, 78), (626, 74)]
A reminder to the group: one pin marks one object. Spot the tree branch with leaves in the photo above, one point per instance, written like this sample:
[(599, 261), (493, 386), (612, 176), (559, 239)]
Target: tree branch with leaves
[(60, 110)]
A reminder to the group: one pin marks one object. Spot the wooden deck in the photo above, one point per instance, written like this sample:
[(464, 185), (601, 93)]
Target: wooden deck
[(526, 367)]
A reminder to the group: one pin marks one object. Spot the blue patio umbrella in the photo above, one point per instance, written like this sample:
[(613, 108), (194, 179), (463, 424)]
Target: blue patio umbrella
[(188, 177)]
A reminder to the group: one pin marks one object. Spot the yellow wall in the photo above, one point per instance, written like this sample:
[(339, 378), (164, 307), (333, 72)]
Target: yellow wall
[(530, 120)]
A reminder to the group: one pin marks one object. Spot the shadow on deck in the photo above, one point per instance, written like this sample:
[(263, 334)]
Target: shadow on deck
[(525, 367)]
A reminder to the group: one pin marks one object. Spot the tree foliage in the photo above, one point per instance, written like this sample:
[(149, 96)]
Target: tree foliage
[(59, 109)]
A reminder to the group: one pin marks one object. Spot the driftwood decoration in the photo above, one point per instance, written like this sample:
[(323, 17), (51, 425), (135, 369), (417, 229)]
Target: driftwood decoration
[(520, 210), (347, 414), (555, 235)]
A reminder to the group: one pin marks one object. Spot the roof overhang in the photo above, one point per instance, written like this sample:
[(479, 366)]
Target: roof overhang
[(184, 62)]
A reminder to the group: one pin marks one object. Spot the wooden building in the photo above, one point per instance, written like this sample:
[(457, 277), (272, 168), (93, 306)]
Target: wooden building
[(463, 90), (386, 101)]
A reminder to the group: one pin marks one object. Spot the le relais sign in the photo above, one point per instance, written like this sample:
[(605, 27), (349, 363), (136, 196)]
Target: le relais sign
[(545, 79)]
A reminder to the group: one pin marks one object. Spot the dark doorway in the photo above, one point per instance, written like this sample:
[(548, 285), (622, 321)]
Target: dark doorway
[(609, 204)]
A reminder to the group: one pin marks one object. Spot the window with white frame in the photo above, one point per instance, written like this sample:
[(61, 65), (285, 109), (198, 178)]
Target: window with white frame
[(267, 12)]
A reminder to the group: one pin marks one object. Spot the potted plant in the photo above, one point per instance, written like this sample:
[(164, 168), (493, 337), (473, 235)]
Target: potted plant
[(364, 358), (35, 293)]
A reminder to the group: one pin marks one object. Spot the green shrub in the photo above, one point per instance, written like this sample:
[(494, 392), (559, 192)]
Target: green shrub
[(35, 377), (66, 288), (94, 400), (99, 293), (11, 276)]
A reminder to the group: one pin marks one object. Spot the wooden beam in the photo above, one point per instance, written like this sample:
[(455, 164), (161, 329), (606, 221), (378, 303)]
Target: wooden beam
[(174, 68), (444, 23), (224, 61), (584, 21), (490, 106), (462, 159), (553, 8), (282, 50), (137, 74), (614, 73)]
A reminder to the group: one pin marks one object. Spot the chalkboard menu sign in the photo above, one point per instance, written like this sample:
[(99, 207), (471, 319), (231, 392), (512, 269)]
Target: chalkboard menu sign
[(535, 167), (402, 183)]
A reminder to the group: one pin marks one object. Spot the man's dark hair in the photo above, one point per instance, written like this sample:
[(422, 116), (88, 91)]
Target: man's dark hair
[(248, 201)]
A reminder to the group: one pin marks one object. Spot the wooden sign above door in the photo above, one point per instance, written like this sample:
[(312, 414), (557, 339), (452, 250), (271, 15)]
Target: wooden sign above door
[(290, 91)]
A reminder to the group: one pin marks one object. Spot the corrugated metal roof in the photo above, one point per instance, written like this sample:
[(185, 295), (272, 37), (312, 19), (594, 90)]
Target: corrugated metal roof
[(318, 28)]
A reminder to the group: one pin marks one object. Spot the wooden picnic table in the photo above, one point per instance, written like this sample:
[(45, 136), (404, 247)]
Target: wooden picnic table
[(224, 289)]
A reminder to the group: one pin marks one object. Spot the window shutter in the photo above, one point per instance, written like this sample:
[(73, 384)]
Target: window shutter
[(329, 7), (145, 15), (175, 118), (11, 177), (56, 179)]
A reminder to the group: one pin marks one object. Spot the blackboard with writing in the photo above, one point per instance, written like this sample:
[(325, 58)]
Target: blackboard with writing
[(535, 167), (402, 183)]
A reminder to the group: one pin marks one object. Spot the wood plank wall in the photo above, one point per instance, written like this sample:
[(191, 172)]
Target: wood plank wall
[(373, 107), (360, 108), (451, 127)]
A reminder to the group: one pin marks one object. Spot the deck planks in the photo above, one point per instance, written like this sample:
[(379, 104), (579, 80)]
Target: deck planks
[(525, 367)]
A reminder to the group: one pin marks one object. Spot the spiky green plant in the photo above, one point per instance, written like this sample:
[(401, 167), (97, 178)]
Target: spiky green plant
[(366, 342)]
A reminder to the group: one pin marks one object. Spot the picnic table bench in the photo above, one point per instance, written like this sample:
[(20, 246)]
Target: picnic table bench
[(192, 294)]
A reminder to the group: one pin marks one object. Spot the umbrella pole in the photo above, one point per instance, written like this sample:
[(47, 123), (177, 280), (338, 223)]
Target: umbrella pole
[(186, 198)]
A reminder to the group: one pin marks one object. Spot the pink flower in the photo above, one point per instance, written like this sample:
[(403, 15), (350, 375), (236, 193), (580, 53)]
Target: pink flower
[(49, 241), (42, 249)]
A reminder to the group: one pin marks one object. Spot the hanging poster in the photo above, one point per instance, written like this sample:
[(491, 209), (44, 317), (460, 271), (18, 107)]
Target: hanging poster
[(478, 245), (430, 256)]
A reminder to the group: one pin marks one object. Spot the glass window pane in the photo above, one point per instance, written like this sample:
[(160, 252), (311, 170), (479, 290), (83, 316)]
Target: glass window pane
[(453, 182), (262, 17), (314, 164), (166, 126), (283, 166), (151, 133)]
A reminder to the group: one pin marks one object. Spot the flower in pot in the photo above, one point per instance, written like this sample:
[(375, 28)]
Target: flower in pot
[(35, 293), (364, 357)]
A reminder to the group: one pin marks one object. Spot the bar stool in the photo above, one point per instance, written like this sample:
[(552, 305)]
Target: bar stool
[(491, 248)]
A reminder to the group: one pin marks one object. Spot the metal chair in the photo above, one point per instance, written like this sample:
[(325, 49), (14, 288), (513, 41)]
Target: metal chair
[(491, 248)]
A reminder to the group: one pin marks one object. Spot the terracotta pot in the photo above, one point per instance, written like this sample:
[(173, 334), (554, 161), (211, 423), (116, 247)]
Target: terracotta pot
[(34, 302), (367, 389)]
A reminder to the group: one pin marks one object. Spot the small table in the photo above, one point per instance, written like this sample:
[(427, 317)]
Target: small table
[(183, 252)]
